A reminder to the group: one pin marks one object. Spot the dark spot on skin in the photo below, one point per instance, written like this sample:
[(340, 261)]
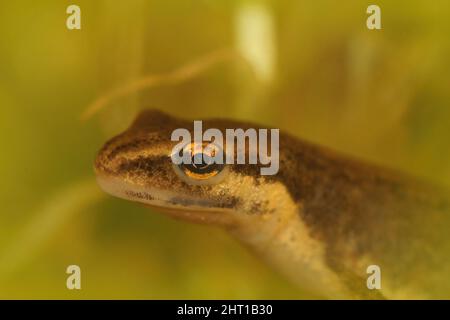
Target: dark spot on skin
[(191, 202), (259, 207), (259, 181), (139, 195), (229, 202)]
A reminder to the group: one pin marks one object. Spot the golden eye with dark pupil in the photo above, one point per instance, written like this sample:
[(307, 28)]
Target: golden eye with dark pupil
[(204, 170), (207, 170)]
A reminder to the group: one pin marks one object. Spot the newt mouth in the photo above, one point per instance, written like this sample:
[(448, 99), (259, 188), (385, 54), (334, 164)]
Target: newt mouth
[(168, 202), (217, 217)]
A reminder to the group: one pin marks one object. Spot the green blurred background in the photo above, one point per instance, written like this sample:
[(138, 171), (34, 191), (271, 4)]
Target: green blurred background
[(313, 69)]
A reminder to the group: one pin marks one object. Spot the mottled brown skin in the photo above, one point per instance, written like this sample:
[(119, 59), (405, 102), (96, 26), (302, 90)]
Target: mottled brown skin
[(401, 223), (360, 213)]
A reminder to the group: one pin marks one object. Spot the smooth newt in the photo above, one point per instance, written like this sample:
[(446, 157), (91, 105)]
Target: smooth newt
[(322, 220)]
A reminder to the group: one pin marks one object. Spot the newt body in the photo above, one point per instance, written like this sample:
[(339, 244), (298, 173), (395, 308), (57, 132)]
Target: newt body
[(321, 220)]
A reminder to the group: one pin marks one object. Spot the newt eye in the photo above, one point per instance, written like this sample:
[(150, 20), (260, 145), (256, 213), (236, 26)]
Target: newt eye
[(204, 164)]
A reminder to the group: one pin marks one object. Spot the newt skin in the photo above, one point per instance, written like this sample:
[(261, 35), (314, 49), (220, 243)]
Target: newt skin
[(321, 220)]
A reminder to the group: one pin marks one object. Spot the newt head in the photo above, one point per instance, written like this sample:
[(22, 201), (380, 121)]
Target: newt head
[(137, 165)]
